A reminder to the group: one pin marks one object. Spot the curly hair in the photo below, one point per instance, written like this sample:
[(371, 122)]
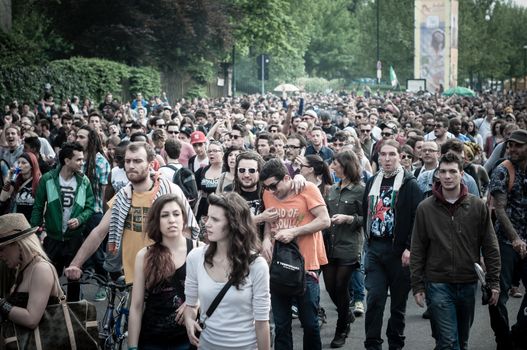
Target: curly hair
[(243, 235), (158, 265)]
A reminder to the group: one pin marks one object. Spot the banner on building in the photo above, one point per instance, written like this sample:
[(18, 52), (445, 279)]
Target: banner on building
[(436, 34)]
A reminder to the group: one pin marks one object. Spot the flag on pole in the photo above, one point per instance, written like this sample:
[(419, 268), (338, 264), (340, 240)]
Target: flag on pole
[(393, 77)]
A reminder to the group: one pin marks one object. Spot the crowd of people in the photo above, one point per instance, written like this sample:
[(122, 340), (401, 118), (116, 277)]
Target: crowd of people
[(381, 195)]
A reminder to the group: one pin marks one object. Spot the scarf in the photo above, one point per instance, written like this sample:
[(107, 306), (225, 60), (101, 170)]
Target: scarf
[(375, 191), (121, 207)]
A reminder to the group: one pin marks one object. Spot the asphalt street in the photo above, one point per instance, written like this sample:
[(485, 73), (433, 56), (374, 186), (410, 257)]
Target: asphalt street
[(418, 335)]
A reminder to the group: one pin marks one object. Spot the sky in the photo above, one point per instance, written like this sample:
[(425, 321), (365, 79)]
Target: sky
[(521, 2)]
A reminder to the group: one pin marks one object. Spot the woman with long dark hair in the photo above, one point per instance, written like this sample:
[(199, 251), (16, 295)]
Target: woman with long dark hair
[(315, 170), (158, 297), (344, 238), (241, 319), (229, 164)]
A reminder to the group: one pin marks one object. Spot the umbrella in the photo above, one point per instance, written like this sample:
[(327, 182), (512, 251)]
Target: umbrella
[(286, 88), (460, 91)]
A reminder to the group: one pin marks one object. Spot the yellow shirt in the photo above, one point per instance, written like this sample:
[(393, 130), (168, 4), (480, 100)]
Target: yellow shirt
[(134, 238)]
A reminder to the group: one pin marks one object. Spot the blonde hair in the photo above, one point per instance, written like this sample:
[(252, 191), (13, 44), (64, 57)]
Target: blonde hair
[(31, 247)]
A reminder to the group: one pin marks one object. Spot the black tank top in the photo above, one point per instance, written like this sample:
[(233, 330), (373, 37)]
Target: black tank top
[(158, 324)]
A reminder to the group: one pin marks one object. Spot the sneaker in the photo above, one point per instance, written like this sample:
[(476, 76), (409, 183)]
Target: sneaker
[(515, 292), (294, 311), (358, 309), (100, 295)]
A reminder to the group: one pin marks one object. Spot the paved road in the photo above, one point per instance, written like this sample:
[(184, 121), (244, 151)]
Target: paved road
[(417, 329)]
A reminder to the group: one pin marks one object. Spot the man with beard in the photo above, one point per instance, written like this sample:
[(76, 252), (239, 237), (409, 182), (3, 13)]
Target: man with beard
[(126, 217), (295, 146), (246, 184), (507, 188)]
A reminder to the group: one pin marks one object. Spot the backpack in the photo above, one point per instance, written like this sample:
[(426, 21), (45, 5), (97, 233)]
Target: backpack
[(287, 273), (185, 179), (512, 176)]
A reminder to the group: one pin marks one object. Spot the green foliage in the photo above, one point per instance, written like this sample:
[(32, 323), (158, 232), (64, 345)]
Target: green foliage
[(196, 91), (86, 78)]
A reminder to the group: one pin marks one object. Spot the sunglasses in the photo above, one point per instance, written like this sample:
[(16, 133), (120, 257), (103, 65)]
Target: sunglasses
[(387, 134), (249, 170), (235, 137), (438, 125), (365, 131), (405, 156), (173, 132), (161, 125), (271, 187)]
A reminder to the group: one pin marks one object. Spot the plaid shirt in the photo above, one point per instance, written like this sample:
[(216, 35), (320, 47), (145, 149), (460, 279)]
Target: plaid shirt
[(102, 171)]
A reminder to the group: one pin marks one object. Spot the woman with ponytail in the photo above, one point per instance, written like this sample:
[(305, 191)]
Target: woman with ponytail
[(315, 170), (158, 297)]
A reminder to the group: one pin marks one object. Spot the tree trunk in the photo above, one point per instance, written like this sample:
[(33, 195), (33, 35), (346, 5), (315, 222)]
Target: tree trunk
[(6, 21)]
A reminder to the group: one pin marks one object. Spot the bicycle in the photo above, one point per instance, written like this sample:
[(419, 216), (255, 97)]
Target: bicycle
[(113, 328)]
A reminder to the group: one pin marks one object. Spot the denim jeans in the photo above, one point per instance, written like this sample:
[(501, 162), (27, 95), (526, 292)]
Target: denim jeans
[(356, 284), (384, 270), (451, 308), (499, 317), (307, 314)]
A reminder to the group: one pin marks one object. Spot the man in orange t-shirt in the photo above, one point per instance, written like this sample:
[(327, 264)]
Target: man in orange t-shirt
[(301, 216)]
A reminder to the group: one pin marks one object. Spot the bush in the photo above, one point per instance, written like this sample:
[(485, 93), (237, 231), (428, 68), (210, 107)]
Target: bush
[(85, 77)]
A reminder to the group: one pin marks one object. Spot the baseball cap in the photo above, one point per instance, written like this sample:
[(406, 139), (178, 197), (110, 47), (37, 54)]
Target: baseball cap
[(186, 130), (311, 113), (197, 137), (518, 136)]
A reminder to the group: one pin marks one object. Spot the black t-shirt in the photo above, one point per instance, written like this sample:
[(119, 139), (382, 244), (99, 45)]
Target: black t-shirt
[(382, 221)]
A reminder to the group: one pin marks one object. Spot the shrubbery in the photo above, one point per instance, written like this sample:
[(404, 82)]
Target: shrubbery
[(83, 77)]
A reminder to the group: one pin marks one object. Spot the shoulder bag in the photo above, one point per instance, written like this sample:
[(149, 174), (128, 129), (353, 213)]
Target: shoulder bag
[(62, 326)]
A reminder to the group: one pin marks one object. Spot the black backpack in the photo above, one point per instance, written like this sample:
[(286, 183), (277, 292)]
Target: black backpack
[(185, 179), (287, 273)]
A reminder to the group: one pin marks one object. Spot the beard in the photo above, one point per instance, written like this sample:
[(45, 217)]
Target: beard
[(137, 178)]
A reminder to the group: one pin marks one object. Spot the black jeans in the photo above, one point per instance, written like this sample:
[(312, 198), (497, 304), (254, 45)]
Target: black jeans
[(336, 279), (61, 253), (384, 270), (499, 318)]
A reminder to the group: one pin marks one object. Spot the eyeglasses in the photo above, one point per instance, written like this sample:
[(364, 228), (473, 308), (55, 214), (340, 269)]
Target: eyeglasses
[(292, 147), (387, 134), (365, 131), (249, 170), (173, 132), (271, 187)]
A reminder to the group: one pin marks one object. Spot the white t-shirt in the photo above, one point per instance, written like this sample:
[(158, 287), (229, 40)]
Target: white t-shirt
[(67, 191), (168, 172), (231, 326)]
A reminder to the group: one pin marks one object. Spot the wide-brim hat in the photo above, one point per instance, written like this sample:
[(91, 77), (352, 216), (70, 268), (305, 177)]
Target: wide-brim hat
[(14, 227)]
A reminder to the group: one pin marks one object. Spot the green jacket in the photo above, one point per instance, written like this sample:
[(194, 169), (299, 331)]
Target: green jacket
[(345, 241), (48, 191)]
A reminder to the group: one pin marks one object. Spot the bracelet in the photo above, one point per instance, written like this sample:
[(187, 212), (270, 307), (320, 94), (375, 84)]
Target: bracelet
[(5, 308)]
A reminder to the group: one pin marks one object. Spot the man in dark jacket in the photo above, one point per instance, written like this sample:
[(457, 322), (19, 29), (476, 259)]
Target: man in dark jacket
[(451, 228), (389, 206)]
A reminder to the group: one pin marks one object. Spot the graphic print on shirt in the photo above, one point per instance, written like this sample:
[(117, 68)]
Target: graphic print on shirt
[(382, 222), (68, 196), (287, 218), (136, 218)]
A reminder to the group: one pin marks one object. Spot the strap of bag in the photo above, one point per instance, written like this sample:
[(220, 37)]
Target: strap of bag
[(218, 298)]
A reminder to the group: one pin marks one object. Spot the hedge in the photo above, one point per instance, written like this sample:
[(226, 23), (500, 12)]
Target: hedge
[(84, 77)]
